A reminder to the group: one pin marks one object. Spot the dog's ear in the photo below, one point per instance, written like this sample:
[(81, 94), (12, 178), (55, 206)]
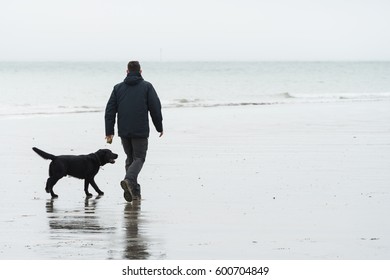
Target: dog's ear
[(100, 152)]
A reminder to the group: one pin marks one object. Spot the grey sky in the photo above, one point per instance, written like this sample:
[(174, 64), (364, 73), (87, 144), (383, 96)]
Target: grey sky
[(195, 30)]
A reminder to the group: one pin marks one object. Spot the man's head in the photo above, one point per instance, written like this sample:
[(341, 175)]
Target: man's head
[(133, 66)]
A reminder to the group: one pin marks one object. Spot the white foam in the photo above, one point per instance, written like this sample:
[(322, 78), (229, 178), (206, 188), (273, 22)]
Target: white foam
[(28, 110), (341, 96)]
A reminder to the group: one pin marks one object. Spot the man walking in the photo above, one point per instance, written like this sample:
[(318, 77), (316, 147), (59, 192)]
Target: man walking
[(133, 100)]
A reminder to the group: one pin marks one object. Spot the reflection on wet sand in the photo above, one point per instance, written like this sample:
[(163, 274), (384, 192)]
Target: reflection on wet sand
[(84, 220), (79, 232), (96, 232), (136, 247)]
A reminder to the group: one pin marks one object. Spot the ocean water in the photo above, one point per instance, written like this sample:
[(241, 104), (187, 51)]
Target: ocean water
[(28, 88)]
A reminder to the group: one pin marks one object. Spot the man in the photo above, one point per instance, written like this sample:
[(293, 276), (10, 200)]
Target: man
[(133, 100)]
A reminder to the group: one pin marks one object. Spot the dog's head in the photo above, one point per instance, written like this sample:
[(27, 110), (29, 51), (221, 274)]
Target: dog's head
[(106, 156)]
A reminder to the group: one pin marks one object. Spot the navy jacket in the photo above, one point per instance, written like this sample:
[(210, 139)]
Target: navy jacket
[(132, 100)]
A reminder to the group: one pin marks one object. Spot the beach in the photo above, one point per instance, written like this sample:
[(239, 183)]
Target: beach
[(302, 181)]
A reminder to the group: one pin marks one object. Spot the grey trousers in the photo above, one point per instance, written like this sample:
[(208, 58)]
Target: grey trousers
[(135, 149)]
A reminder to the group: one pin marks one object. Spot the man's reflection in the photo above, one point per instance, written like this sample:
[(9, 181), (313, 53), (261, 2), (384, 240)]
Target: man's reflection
[(136, 246)]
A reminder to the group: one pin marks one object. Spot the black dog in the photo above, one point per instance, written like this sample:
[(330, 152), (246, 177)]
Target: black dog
[(82, 167)]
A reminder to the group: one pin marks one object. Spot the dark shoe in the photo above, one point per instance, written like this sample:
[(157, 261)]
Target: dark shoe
[(136, 192), (125, 184)]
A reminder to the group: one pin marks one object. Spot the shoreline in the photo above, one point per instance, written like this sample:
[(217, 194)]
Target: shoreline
[(180, 104)]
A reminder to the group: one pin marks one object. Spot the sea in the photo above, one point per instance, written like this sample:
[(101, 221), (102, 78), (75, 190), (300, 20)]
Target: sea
[(35, 88)]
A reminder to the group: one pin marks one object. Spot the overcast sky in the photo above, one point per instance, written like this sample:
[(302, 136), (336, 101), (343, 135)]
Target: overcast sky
[(194, 30)]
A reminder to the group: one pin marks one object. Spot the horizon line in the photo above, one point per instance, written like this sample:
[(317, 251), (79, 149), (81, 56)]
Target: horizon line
[(194, 61)]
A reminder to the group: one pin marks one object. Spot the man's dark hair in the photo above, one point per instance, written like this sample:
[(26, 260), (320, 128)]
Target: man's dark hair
[(133, 66)]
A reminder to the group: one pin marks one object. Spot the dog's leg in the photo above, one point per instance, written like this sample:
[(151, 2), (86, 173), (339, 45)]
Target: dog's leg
[(86, 184), (51, 181), (56, 172), (95, 187)]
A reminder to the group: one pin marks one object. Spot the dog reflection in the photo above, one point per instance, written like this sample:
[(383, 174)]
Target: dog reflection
[(82, 225), (135, 246), (77, 220)]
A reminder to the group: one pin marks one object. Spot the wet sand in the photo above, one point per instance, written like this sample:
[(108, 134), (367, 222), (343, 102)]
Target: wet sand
[(292, 181)]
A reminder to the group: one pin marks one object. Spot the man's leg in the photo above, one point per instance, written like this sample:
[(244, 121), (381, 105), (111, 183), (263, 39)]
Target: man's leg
[(140, 147), (135, 149), (128, 148)]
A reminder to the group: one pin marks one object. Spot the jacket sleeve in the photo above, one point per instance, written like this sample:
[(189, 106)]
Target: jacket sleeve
[(154, 107), (110, 115)]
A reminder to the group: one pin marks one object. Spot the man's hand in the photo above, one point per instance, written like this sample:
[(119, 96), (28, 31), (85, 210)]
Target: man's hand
[(109, 138)]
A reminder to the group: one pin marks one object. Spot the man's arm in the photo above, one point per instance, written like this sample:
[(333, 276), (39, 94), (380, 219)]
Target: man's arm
[(154, 107), (110, 115)]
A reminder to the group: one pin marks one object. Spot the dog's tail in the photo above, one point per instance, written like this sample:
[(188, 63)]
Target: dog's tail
[(44, 154)]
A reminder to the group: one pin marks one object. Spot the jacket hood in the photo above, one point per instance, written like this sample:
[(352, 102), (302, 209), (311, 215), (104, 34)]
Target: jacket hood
[(133, 78)]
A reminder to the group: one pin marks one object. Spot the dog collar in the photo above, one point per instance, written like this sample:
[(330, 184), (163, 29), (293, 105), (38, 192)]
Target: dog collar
[(98, 159)]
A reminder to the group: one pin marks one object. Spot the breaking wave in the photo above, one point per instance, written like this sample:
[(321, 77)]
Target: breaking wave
[(14, 111), (31, 110), (281, 98)]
